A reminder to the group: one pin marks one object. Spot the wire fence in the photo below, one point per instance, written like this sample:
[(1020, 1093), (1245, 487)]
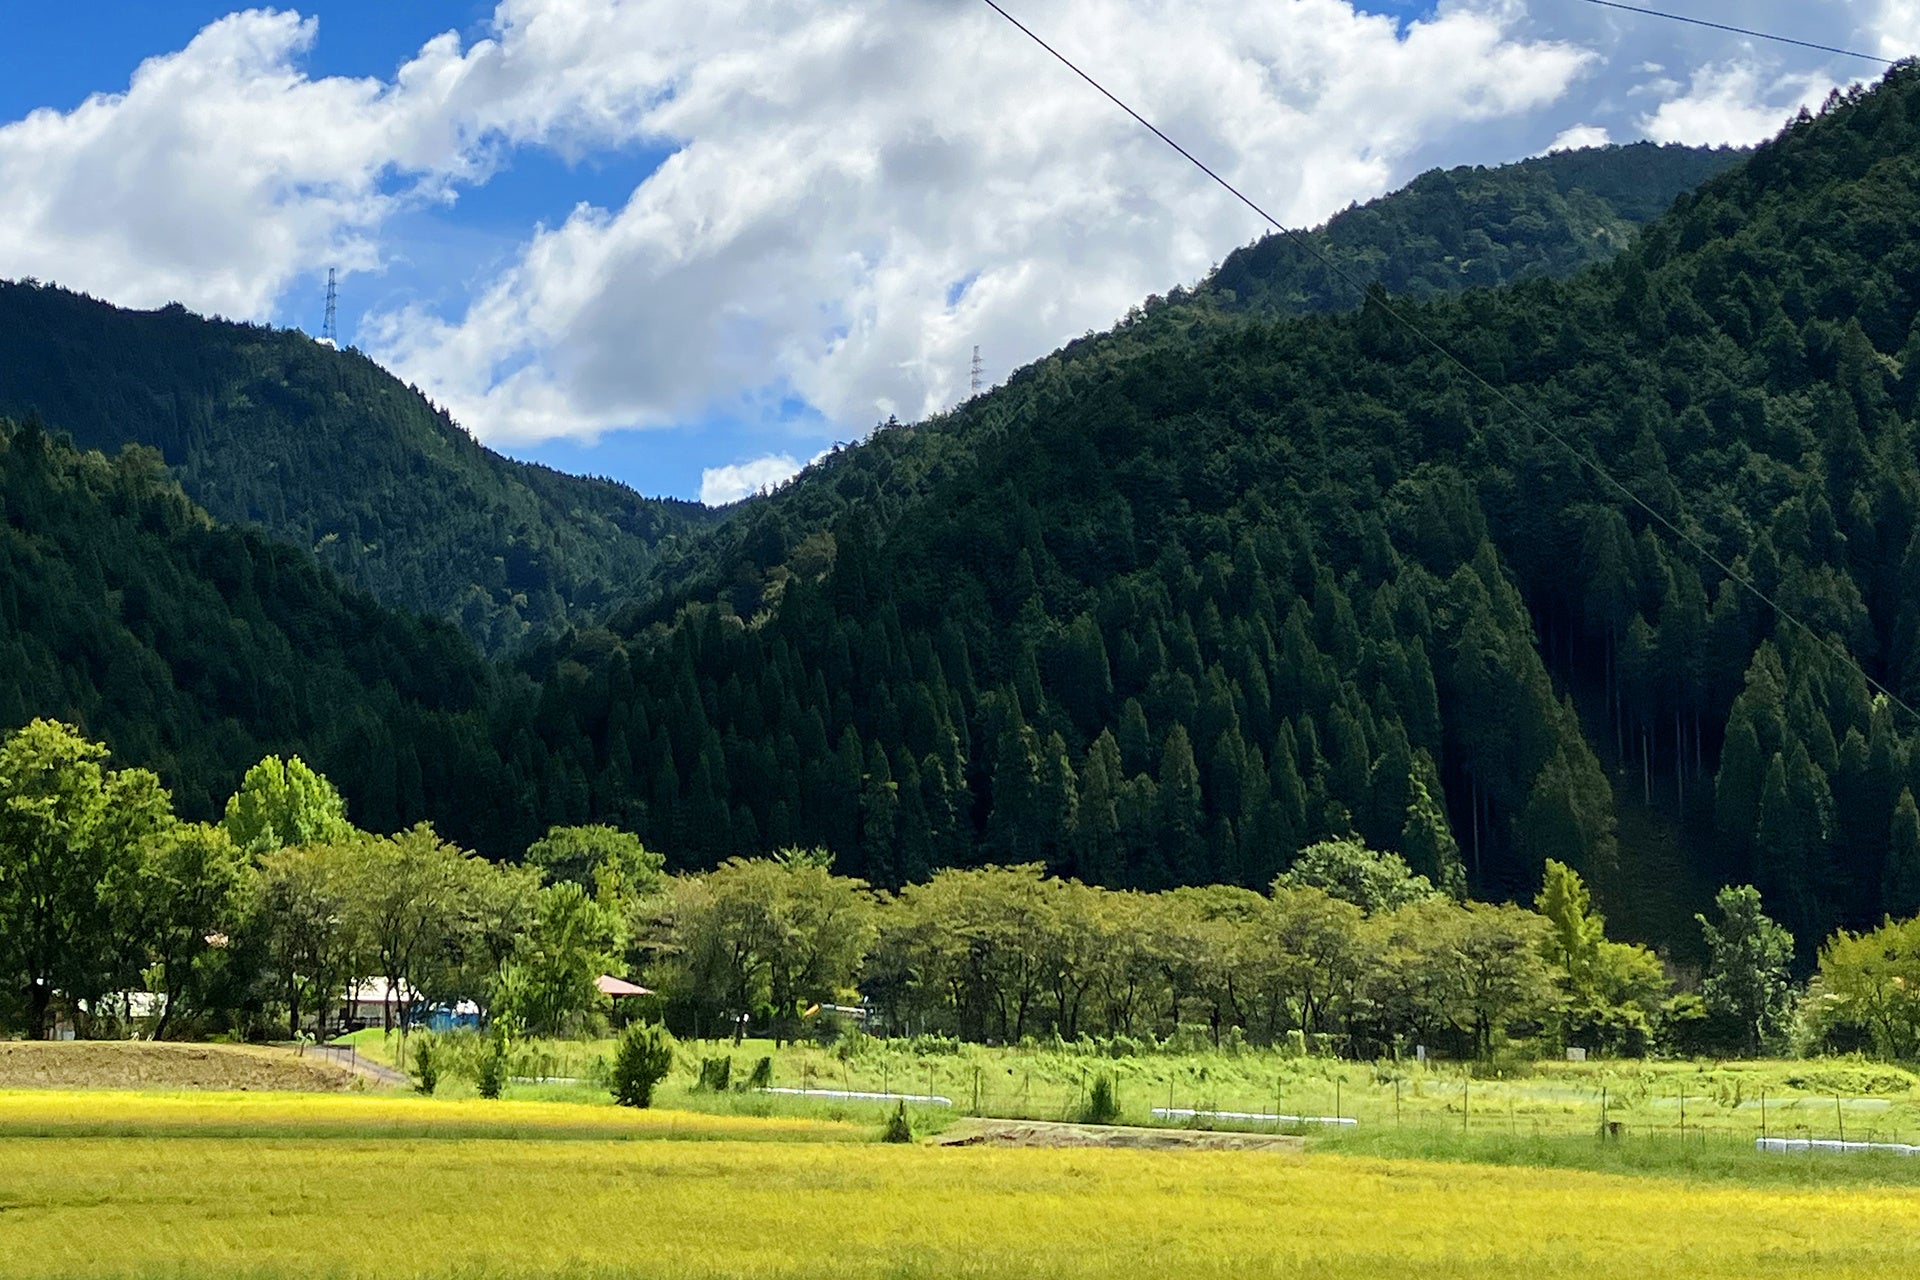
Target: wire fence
[(1429, 1100)]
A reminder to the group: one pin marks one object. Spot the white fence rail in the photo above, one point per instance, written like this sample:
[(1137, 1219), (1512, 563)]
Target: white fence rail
[(855, 1095), (1788, 1146)]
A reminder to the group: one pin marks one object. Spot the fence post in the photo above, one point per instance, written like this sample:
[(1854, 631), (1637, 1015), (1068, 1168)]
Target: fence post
[(1841, 1116), (1466, 1099), (1683, 1117), (1763, 1114), (1396, 1102)]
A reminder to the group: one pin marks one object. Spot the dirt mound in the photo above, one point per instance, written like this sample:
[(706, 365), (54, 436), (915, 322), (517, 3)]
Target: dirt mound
[(116, 1064), (1045, 1133)]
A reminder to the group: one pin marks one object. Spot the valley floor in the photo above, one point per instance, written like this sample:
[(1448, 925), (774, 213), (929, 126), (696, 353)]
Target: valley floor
[(376, 1198)]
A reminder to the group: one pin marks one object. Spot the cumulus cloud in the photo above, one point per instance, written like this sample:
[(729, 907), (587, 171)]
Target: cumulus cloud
[(221, 172), (859, 191), (856, 191), (1896, 28), (1581, 135), (721, 485), (1734, 103)]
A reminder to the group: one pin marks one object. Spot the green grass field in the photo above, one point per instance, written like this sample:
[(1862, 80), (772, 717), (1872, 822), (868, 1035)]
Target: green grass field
[(1725, 1101), (261, 1194)]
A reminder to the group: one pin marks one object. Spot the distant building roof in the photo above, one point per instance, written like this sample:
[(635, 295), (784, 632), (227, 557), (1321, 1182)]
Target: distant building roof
[(376, 991), (619, 987)]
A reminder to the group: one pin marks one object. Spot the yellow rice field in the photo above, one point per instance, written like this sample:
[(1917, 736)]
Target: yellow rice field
[(47, 1113), (582, 1204)]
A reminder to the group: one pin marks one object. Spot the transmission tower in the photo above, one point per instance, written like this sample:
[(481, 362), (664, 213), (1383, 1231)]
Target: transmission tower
[(976, 370), (327, 333)]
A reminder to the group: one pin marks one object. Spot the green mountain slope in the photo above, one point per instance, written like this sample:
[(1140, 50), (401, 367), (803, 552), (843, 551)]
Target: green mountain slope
[(1471, 227), (1188, 594), (195, 650), (327, 451)]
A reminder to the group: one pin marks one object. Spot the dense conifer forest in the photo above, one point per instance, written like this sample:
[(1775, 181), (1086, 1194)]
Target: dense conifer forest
[(328, 451), (1477, 227), (1176, 602), (193, 648), (1190, 594)]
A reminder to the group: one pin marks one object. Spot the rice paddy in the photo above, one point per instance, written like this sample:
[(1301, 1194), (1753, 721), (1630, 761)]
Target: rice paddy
[(580, 1205), (139, 1185)]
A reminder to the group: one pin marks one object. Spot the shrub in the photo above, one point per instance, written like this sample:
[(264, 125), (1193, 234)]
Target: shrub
[(492, 1075), (899, 1128), (762, 1077), (640, 1061), (426, 1063), (716, 1074), (1102, 1106)]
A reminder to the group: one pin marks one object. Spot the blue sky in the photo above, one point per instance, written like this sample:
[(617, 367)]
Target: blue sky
[(692, 245)]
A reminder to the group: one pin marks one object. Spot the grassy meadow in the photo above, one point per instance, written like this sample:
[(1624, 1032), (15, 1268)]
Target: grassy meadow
[(1726, 1103)]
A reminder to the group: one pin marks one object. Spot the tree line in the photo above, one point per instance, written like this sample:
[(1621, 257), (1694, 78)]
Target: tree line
[(259, 924)]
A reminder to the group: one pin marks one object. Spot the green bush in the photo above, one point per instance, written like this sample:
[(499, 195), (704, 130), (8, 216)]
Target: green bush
[(716, 1074), (1102, 1106), (492, 1075), (762, 1077), (426, 1063), (640, 1061), (899, 1128)]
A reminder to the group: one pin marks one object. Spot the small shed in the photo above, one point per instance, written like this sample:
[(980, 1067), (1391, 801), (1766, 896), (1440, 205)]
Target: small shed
[(368, 1002)]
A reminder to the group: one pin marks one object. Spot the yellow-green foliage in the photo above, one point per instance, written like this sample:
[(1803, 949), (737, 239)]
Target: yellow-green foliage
[(394, 1209)]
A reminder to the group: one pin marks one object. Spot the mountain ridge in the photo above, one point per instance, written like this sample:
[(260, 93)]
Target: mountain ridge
[(326, 450)]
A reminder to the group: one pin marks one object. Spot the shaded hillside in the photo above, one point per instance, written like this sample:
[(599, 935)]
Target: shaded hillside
[(326, 450), (1188, 594), (194, 650), (1471, 227)]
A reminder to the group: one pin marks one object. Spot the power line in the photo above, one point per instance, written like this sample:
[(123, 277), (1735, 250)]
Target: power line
[(1741, 31), (1447, 356)]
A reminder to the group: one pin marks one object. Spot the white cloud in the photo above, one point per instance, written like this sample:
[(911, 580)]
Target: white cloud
[(721, 485), (840, 167), (219, 174), (1580, 135), (1735, 103), (858, 190), (1896, 28)]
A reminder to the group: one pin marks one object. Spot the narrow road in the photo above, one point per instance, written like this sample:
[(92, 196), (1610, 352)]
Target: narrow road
[(366, 1068)]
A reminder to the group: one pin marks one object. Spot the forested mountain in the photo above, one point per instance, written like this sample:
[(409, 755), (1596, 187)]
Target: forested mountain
[(1174, 603), (1189, 594), (1470, 227), (326, 450), (195, 649)]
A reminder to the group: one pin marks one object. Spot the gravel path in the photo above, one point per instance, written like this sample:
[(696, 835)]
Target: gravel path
[(366, 1068)]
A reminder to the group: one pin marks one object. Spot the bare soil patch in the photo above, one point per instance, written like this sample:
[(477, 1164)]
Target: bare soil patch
[(1045, 1133), (136, 1064)]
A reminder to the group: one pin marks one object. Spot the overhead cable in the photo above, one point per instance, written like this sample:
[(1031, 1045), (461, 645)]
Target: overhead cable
[(1447, 356)]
